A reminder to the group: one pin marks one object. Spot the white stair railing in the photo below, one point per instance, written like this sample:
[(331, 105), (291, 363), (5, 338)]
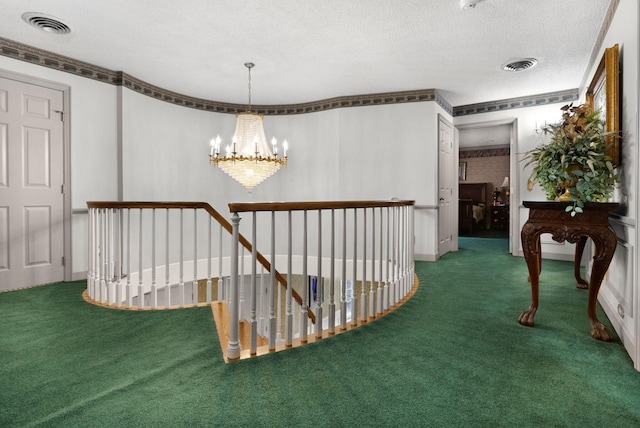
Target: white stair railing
[(346, 263), (382, 247)]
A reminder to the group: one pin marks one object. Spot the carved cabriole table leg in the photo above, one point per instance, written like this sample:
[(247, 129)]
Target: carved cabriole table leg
[(551, 217), (532, 255), (605, 241)]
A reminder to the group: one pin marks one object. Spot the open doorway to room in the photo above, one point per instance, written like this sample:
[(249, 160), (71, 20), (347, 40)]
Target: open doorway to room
[(485, 177)]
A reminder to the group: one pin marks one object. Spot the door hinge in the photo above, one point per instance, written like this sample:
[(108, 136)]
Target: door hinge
[(62, 260), (61, 114), (62, 189)]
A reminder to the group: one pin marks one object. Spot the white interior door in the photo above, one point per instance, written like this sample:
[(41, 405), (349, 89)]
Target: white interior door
[(446, 173), (31, 180)]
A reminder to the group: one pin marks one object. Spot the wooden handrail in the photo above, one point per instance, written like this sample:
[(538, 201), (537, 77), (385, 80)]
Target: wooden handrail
[(216, 215), (238, 207)]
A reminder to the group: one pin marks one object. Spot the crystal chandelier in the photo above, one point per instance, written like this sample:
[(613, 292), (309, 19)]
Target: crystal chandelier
[(248, 159)]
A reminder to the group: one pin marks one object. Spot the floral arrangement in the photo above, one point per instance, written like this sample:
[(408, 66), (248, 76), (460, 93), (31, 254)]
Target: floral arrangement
[(574, 166)]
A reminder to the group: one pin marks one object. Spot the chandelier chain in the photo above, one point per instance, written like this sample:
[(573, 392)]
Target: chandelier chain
[(249, 66)]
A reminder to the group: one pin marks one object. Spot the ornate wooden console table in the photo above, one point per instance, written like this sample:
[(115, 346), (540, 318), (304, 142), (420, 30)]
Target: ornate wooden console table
[(551, 217)]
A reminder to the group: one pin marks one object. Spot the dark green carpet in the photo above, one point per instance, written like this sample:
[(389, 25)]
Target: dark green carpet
[(453, 355)]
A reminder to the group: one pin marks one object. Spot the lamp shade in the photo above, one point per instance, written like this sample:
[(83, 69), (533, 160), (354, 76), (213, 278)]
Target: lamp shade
[(505, 183)]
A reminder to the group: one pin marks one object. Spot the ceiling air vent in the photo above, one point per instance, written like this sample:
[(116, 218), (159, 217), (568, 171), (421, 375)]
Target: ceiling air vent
[(520, 65), (46, 23)]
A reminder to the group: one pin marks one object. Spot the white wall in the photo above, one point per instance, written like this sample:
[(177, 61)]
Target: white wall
[(373, 152), (620, 291), (350, 153)]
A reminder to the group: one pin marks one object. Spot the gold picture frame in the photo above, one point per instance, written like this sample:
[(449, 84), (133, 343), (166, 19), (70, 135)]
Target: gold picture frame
[(604, 94)]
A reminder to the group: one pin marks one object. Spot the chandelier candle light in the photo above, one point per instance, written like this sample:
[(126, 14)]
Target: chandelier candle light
[(248, 159)]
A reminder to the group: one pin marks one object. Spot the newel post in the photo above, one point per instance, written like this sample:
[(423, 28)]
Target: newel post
[(233, 351)]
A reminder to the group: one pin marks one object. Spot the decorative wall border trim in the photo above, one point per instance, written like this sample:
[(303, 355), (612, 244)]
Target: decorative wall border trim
[(33, 55), (484, 153), (420, 95), (512, 103), (443, 103)]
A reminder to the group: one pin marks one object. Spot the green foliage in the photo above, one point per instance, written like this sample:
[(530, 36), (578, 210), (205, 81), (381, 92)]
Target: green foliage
[(574, 159)]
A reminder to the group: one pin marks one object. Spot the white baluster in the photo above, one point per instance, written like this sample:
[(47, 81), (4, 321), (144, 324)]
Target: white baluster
[(412, 242), (406, 250), (354, 303), (272, 287), (221, 295), (386, 303), (289, 313), (380, 292), (278, 311), (400, 292), (103, 256), (98, 254), (253, 322), (343, 296), (129, 285), (305, 283), (167, 283), (194, 283), (118, 257), (263, 304), (154, 289), (241, 290), (209, 297), (110, 295), (320, 282), (181, 261), (233, 349), (392, 291), (372, 291), (363, 296), (140, 274), (395, 255), (332, 277), (91, 255)]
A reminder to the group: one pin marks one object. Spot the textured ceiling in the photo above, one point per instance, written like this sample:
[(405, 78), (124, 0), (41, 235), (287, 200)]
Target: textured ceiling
[(309, 50)]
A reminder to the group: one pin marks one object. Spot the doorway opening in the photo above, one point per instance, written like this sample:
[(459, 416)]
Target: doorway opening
[(486, 177)]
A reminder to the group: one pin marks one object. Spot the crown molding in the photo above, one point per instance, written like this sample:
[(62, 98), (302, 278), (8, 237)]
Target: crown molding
[(33, 55)]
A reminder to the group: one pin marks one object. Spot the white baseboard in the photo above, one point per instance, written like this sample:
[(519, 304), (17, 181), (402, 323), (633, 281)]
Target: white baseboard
[(609, 306), (425, 257)]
